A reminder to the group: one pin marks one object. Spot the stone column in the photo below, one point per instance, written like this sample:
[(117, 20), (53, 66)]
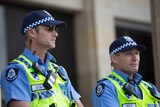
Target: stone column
[(85, 51), (3, 56)]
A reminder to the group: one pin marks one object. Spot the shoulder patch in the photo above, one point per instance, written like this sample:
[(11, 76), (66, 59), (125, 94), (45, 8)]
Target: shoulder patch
[(99, 89), (11, 74)]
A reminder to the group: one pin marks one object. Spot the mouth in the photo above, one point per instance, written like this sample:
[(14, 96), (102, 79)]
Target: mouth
[(134, 65), (53, 40)]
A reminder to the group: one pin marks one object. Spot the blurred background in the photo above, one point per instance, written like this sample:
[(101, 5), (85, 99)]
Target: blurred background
[(82, 47)]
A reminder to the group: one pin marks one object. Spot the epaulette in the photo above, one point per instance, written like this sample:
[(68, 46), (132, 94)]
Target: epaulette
[(13, 62), (103, 79)]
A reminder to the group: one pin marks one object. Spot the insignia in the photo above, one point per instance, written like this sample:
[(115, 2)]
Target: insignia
[(47, 13), (100, 89), (11, 74)]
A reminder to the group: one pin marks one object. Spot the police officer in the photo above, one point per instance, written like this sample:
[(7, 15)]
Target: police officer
[(34, 79), (124, 87)]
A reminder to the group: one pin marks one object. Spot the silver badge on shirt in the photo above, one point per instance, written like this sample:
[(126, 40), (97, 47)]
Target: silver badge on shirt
[(129, 105)]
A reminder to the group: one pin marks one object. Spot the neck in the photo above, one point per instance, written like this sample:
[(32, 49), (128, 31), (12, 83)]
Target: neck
[(39, 52), (36, 49), (131, 77)]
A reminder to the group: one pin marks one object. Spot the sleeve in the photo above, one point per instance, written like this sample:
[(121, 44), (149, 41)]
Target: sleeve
[(71, 92), (15, 84), (104, 95)]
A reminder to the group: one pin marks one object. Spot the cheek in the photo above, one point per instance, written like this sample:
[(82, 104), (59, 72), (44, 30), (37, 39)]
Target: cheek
[(138, 58), (41, 39), (123, 62)]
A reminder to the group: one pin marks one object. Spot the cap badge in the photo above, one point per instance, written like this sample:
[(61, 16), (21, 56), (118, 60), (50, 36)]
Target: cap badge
[(47, 13)]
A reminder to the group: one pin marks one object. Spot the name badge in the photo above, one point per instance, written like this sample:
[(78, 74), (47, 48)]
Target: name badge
[(37, 87), (129, 105), (153, 105)]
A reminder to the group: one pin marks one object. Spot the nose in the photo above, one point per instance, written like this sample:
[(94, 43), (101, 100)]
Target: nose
[(135, 57), (55, 33)]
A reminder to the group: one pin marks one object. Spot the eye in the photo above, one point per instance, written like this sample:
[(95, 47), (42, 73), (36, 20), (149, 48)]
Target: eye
[(128, 53), (137, 52), (56, 29), (50, 28)]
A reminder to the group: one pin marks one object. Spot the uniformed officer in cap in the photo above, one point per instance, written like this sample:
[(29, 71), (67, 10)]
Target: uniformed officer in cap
[(34, 79), (124, 87)]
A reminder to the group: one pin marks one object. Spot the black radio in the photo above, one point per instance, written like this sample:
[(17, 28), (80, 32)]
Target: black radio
[(50, 79)]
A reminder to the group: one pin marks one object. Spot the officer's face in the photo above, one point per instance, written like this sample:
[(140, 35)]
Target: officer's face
[(46, 36), (127, 62)]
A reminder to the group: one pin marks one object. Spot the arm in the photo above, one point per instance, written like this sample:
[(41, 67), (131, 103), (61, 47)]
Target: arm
[(79, 103), (18, 103), (14, 83), (104, 95), (75, 96), (71, 92)]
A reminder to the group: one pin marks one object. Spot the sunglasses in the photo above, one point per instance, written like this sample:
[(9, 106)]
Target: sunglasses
[(52, 28)]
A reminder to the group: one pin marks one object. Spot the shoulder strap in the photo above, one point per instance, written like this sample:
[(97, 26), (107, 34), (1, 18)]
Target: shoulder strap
[(122, 85), (116, 79), (153, 90), (22, 59)]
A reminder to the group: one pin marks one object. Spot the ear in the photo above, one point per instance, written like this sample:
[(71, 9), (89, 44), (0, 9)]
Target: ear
[(32, 33), (114, 58)]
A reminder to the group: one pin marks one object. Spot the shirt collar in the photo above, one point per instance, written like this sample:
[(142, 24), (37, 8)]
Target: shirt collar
[(34, 58), (137, 77), (48, 58)]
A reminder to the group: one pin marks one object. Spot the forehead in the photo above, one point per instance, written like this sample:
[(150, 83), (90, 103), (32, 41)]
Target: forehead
[(131, 50), (40, 26)]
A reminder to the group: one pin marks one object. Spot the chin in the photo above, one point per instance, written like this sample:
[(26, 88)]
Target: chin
[(135, 68), (53, 46), (135, 71)]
